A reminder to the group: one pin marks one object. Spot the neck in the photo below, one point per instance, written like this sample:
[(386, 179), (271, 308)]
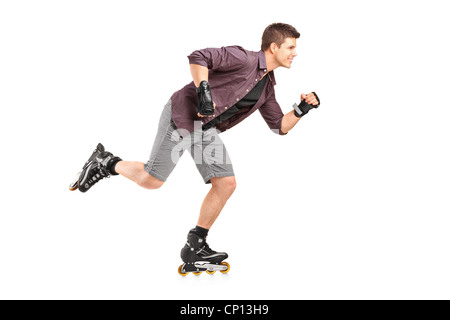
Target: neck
[(270, 61)]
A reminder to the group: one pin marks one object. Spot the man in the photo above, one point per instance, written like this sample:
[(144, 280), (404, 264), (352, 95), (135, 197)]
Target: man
[(229, 84)]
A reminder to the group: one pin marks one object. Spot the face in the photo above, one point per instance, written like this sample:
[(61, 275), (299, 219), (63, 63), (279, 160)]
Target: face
[(285, 54)]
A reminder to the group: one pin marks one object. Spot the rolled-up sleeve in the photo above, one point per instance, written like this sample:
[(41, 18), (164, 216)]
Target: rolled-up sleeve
[(220, 59), (272, 114)]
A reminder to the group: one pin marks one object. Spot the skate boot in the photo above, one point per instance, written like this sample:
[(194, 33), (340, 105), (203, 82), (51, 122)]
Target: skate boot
[(97, 167), (198, 256)]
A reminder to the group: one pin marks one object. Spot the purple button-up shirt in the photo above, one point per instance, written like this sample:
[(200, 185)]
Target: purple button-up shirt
[(233, 72)]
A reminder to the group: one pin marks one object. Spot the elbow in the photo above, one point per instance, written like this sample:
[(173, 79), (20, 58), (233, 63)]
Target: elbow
[(282, 130), (279, 131), (282, 133)]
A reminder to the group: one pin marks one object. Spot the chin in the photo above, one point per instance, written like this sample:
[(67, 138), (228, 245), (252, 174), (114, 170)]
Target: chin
[(288, 64)]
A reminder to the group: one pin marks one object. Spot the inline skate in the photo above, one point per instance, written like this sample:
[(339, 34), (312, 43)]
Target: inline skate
[(198, 257), (98, 166)]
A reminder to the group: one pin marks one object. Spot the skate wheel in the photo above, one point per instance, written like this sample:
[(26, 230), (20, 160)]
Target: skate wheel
[(225, 264), (197, 273), (180, 272), (73, 186), (210, 272)]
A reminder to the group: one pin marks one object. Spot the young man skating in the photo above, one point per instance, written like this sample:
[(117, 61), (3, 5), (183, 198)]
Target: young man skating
[(229, 84)]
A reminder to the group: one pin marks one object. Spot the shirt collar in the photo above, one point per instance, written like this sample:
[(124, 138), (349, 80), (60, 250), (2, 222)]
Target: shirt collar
[(263, 65), (262, 60)]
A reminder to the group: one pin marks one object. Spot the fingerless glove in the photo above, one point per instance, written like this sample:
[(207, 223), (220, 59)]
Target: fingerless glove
[(304, 107), (205, 104)]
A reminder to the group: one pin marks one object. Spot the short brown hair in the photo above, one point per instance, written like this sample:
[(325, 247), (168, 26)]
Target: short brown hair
[(277, 32)]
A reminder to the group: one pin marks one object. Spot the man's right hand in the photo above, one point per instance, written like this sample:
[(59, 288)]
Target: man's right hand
[(205, 105), (307, 103)]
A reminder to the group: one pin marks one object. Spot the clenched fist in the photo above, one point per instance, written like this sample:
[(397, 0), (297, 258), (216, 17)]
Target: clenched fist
[(308, 102)]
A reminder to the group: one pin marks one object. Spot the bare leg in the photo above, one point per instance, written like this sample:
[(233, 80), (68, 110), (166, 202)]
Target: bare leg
[(221, 190), (135, 171)]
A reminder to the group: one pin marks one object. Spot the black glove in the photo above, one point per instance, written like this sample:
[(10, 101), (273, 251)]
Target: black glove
[(205, 104), (304, 107)]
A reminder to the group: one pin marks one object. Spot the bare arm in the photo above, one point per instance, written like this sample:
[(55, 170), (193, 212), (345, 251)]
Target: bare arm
[(289, 121), (199, 73)]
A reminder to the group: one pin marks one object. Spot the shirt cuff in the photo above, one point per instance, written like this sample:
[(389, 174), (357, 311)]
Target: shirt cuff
[(281, 133), (195, 60)]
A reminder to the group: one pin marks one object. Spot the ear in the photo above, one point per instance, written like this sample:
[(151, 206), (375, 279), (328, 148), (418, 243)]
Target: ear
[(273, 46)]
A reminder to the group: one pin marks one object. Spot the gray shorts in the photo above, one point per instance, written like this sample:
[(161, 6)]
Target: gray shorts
[(205, 147)]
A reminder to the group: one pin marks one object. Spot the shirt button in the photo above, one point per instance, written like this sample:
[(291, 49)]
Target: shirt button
[(214, 115), (247, 90), (265, 70), (256, 79), (226, 108), (237, 99)]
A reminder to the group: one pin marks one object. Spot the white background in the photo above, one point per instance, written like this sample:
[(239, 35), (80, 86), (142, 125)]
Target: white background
[(351, 204)]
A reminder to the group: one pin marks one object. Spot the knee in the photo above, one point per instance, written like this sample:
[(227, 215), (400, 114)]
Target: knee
[(148, 181), (225, 185)]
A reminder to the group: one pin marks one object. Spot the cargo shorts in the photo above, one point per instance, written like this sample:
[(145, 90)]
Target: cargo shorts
[(205, 146)]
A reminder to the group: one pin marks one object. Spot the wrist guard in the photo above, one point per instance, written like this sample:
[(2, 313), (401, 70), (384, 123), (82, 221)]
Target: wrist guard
[(303, 108), (205, 104)]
